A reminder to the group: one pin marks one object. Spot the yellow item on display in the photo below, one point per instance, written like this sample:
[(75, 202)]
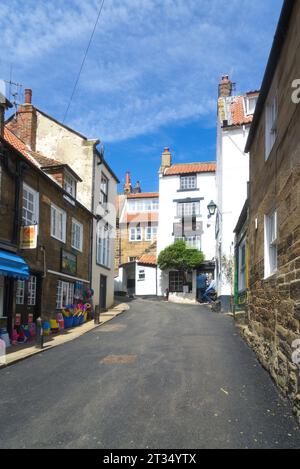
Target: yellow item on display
[(53, 324)]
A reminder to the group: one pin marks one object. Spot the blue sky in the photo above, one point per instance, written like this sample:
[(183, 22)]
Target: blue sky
[(151, 75)]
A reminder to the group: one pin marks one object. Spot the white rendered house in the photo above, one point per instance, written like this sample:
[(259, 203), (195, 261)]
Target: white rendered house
[(185, 190), (235, 114)]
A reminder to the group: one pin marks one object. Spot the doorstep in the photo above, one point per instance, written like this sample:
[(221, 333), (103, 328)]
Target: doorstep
[(17, 353)]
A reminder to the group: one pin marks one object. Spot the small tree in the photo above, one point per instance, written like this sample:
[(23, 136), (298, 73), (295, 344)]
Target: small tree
[(180, 257)]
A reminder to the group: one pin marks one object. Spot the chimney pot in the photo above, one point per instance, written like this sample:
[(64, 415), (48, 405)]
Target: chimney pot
[(28, 96), (225, 87)]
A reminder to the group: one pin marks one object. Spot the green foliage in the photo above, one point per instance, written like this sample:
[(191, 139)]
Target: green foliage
[(179, 256)]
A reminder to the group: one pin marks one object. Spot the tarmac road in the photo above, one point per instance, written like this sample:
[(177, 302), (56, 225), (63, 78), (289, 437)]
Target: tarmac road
[(160, 376)]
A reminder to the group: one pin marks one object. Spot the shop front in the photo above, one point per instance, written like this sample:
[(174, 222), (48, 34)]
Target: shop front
[(12, 270)]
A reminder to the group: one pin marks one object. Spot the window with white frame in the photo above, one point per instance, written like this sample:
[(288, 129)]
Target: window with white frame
[(104, 190), (271, 124), (64, 294), (77, 235), (141, 274), (270, 243), (135, 234), (20, 292), (242, 267), (251, 102), (104, 245), (31, 298), (142, 205), (30, 206), (70, 184), (150, 233), (188, 182), (186, 209), (1, 297), (58, 223)]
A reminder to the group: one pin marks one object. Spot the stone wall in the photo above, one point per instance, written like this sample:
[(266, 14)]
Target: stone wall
[(273, 315)]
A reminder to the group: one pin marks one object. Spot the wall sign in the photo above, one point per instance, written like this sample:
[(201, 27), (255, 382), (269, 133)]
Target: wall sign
[(68, 262), (28, 238)]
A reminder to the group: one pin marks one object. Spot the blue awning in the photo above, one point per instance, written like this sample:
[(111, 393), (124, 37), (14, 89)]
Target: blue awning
[(14, 266)]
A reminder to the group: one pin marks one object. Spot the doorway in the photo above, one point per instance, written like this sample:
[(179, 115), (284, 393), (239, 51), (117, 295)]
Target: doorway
[(103, 290)]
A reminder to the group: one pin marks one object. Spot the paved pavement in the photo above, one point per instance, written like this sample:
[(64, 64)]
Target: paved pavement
[(21, 352), (159, 376)]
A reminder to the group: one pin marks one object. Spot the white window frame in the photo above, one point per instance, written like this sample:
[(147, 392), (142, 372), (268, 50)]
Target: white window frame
[(34, 219), (141, 274), (104, 189), (250, 110), (270, 248), (103, 246), (271, 123), (188, 182), (188, 209), (32, 288), (77, 229), (64, 289), (133, 234), (69, 184), (53, 229), (153, 233), (20, 292)]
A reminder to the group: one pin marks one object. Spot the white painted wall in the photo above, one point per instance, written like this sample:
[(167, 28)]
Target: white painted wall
[(58, 142), (147, 286), (232, 176), (168, 192)]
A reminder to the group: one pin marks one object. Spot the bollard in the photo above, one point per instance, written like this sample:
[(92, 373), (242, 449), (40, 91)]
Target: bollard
[(97, 315), (39, 333)]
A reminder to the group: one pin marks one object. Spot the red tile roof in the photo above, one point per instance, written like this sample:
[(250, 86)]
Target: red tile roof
[(143, 195), (141, 217), (188, 168), (15, 142), (238, 112), (148, 259), (232, 110)]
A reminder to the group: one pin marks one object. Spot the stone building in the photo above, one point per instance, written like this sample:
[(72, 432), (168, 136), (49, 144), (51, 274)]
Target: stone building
[(97, 190), (273, 317), (137, 222), (50, 230)]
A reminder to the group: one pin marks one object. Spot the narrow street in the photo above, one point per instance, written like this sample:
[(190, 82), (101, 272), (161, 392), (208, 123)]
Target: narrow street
[(158, 376)]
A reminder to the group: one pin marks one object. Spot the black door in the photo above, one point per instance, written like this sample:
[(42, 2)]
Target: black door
[(103, 281)]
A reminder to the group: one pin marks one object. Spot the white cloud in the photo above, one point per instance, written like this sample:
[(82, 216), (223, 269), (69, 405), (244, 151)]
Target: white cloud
[(152, 62)]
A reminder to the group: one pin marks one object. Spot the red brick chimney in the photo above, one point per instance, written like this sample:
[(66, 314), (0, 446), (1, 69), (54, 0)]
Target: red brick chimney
[(225, 87), (127, 185), (24, 125), (166, 160)]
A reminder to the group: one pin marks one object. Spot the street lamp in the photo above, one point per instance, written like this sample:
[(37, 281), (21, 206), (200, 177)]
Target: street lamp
[(212, 207)]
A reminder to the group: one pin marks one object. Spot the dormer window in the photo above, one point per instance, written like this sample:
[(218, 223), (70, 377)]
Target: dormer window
[(70, 184), (251, 102), (188, 182)]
